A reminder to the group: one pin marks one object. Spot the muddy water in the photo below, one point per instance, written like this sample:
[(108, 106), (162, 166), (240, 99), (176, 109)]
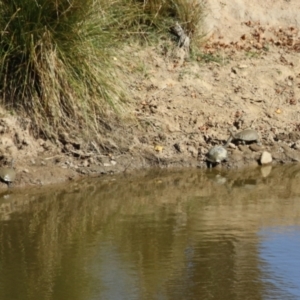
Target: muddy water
[(159, 235)]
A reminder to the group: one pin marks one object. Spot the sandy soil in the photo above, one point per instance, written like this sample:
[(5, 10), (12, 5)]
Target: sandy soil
[(248, 76)]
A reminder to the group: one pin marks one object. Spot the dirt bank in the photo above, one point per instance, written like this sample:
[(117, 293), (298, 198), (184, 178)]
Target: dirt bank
[(247, 76)]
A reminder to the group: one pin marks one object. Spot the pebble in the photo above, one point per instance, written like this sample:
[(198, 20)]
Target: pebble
[(113, 162), (193, 151), (266, 158), (255, 147), (231, 146), (242, 66), (292, 154), (297, 145), (244, 149)]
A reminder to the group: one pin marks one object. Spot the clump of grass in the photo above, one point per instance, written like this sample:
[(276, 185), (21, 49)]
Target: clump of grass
[(146, 16), (54, 62), (56, 55), (208, 57)]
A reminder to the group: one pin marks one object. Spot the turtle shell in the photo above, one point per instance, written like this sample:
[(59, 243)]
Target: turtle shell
[(8, 175), (217, 154), (246, 135)]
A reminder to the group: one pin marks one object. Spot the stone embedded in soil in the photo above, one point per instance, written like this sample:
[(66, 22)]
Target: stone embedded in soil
[(236, 156), (113, 162), (249, 159), (294, 136), (144, 139), (294, 155), (297, 145), (242, 66), (266, 158), (193, 151), (244, 149), (231, 146), (255, 147)]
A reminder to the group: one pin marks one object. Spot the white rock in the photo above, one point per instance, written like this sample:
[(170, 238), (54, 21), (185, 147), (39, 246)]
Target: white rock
[(232, 146), (113, 162), (266, 158), (242, 66)]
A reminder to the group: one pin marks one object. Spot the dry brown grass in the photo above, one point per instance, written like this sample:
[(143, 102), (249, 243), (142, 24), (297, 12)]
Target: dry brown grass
[(56, 57)]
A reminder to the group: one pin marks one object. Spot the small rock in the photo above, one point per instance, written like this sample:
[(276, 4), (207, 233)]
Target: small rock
[(297, 145), (25, 142), (193, 151), (158, 148), (266, 158), (236, 156), (258, 46), (26, 171), (255, 147), (231, 146), (144, 140), (83, 171), (294, 136), (294, 155), (162, 136), (106, 164), (113, 162), (242, 66), (91, 160), (153, 109), (244, 149)]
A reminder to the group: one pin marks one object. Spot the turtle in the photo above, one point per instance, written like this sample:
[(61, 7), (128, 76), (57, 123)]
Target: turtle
[(217, 153), (247, 135), (8, 175)]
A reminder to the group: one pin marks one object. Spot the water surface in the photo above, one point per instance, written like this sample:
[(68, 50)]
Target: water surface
[(156, 235)]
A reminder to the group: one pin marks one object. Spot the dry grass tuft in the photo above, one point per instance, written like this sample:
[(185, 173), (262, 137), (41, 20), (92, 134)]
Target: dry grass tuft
[(56, 56)]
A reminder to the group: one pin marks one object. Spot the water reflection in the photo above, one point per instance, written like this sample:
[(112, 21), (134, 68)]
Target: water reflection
[(279, 251), (157, 235)]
